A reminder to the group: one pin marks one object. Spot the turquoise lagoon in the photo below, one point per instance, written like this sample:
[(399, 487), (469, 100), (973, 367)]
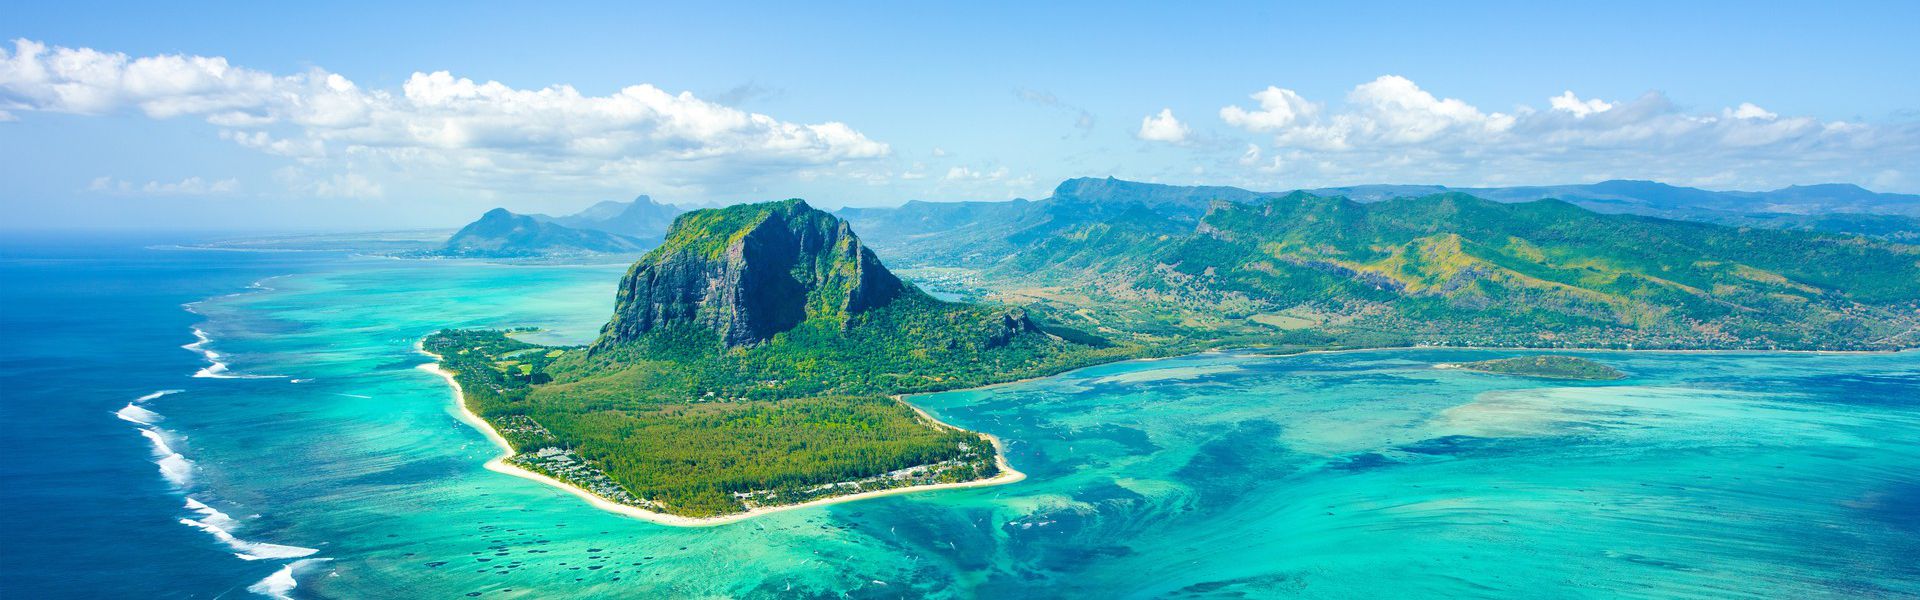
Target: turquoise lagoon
[(1336, 475)]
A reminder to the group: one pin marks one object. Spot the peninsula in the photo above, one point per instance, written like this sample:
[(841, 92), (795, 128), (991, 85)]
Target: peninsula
[(752, 364)]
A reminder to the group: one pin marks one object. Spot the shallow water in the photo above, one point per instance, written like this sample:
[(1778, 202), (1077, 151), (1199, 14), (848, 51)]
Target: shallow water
[(1365, 474)]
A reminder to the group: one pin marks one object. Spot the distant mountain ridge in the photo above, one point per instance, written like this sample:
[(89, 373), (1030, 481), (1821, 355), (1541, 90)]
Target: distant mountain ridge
[(640, 218), (980, 230), (503, 234), (610, 227), (1663, 200), (1445, 268)]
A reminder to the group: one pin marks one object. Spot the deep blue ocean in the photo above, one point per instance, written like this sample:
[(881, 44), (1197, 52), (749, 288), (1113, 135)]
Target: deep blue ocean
[(96, 321), (239, 424)]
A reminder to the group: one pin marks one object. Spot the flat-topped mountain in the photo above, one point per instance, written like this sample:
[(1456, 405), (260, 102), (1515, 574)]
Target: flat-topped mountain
[(749, 272), (503, 234)]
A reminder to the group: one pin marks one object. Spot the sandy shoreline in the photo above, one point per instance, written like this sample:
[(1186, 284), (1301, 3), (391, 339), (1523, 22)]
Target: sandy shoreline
[(1007, 473), (499, 465)]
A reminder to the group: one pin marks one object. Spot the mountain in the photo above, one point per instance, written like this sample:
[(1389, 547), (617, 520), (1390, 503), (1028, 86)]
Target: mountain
[(750, 361), (750, 273), (503, 234), (939, 231), (1453, 268), (1839, 208), (1441, 268), (641, 218)]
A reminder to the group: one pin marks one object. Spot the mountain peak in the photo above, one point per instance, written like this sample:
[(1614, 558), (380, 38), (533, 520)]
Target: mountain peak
[(501, 233), (750, 271)]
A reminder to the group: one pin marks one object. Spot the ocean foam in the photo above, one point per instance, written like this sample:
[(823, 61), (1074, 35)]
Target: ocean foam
[(154, 395), (175, 467), (133, 413), (216, 369), (247, 549), (281, 583), (210, 515), (221, 527)]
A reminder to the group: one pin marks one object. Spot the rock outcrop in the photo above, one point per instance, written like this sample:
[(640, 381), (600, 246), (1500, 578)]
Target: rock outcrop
[(749, 272)]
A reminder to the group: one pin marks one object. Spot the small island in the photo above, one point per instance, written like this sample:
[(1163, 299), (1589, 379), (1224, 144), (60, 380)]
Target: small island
[(1547, 366)]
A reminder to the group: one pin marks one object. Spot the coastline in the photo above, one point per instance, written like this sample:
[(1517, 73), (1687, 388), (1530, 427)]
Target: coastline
[(498, 464), (1007, 473)]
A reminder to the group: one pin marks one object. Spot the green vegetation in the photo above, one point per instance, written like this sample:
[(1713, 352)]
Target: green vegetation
[(704, 396), (702, 454), (1552, 367), (1300, 270)]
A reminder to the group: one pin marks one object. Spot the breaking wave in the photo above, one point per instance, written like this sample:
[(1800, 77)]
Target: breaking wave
[(173, 466), (216, 369), (281, 583), (221, 527)]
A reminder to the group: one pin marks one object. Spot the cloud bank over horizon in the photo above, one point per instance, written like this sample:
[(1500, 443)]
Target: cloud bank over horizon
[(337, 135), (438, 135), (1390, 130)]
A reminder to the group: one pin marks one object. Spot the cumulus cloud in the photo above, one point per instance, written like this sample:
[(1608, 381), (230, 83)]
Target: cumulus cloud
[(191, 186), (1390, 129), (1162, 127), (1573, 105), (1278, 109), (462, 129)]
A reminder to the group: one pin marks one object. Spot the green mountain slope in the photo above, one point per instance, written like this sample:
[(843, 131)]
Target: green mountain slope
[(1456, 269)]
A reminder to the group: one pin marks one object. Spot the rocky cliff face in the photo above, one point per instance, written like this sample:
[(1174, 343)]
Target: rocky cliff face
[(751, 271)]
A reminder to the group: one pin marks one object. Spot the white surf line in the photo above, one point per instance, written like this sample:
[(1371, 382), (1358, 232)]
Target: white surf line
[(139, 415), (217, 369), (173, 466), (280, 584), (221, 527), (178, 470)]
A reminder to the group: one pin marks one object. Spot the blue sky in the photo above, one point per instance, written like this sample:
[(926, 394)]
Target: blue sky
[(338, 117)]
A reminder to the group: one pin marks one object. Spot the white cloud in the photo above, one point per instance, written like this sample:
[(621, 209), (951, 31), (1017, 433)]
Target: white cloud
[(1573, 105), (1162, 127), (1391, 130), (454, 129), (1747, 110), (191, 186), (1278, 109)]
